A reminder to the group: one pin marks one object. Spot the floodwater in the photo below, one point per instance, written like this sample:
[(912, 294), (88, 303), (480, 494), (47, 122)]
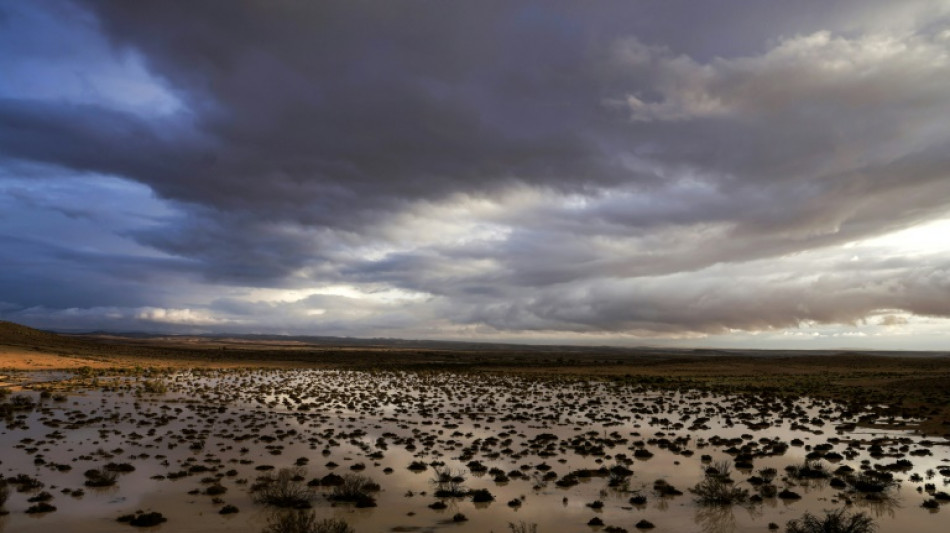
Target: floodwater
[(519, 438)]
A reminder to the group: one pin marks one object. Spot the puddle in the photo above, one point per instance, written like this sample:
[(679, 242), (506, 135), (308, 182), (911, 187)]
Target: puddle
[(551, 452)]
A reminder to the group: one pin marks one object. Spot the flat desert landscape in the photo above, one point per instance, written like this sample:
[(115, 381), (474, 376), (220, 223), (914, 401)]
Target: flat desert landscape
[(203, 433)]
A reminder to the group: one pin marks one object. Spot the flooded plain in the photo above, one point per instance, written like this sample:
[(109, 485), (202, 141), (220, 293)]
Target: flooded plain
[(228, 450)]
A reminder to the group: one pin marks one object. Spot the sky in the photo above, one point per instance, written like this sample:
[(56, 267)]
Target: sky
[(712, 174)]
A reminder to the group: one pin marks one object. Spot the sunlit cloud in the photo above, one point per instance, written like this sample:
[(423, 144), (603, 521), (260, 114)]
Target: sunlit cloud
[(607, 174)]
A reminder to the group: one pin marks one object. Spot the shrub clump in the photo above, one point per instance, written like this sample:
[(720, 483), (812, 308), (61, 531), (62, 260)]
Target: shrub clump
[(143, 519), (417, 466), (41, 507), (305, 522), (155, 386), (482, 496), (4, 495), (286, 489), (448, 483), (717, 488), (839, 521), (100, 477), (355, 488)]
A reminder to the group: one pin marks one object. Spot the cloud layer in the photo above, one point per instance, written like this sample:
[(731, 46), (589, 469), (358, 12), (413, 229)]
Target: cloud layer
[(487, 169)]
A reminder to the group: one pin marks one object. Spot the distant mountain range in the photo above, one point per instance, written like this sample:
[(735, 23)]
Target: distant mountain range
[(12, 334)]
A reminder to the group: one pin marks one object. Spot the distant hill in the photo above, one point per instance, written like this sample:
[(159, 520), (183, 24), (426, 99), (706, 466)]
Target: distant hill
[(18, 336), (333, 349), (12, 334)]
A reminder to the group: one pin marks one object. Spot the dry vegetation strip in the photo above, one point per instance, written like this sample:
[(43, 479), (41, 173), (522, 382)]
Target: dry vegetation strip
[(908, 386)]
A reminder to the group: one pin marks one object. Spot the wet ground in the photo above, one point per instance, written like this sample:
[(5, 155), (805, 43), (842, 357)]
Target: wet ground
[(556, 452)]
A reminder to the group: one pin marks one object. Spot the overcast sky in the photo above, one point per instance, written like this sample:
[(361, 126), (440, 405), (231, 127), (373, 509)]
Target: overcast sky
[(716, 173)]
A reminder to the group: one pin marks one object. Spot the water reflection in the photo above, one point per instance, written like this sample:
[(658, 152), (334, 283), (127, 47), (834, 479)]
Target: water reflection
[(552, 445)]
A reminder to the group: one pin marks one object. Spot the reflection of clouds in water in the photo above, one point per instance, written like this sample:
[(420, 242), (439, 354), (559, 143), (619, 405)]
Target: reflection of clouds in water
[(378, 412)]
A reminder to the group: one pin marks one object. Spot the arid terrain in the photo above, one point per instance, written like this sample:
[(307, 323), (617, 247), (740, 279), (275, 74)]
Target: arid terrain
[(270, 434), (917, 382)]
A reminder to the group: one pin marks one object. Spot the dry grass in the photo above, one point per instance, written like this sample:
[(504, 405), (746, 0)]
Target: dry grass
[(914, 383)]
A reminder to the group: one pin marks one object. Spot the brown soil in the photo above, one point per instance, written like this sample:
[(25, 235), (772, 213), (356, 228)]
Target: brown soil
[(910, 384)]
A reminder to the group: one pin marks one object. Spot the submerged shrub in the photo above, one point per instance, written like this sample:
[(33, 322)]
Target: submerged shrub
[(872, 482), (448, 483), (100, 477), (286, 489), (717, 488), (482, 496), (25, 483), (4, 493), (305, 522), (143, 519), (355, 488), (839, 521), (155, 386), (41, 507)]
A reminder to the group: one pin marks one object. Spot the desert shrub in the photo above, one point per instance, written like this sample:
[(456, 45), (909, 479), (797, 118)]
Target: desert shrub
[(216, 490), (21, 402), (41, 497), (717, 488), (482, 496), (143, 519), (100, 477), (155, 386), (355, 488), (871, 482), (839, 521), (808, 470), (523, 527), (39, 508), (417, 466), (768, 474), (25, 483), (286, 489), (148, 519), (305, 522), (788, 494), (448, 483)]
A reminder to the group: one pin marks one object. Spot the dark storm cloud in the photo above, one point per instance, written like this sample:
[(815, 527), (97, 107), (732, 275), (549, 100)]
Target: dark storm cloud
[(87, 137), (57, 277), (527, 165)]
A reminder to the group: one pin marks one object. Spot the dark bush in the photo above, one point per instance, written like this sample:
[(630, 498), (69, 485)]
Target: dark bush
[(355, 488), (100, 477), (41, 507), (839, 521), (305, 522), (283, 490), (482, 496)]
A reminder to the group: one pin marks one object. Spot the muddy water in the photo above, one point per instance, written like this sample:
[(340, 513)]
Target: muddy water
[(228, 427)]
